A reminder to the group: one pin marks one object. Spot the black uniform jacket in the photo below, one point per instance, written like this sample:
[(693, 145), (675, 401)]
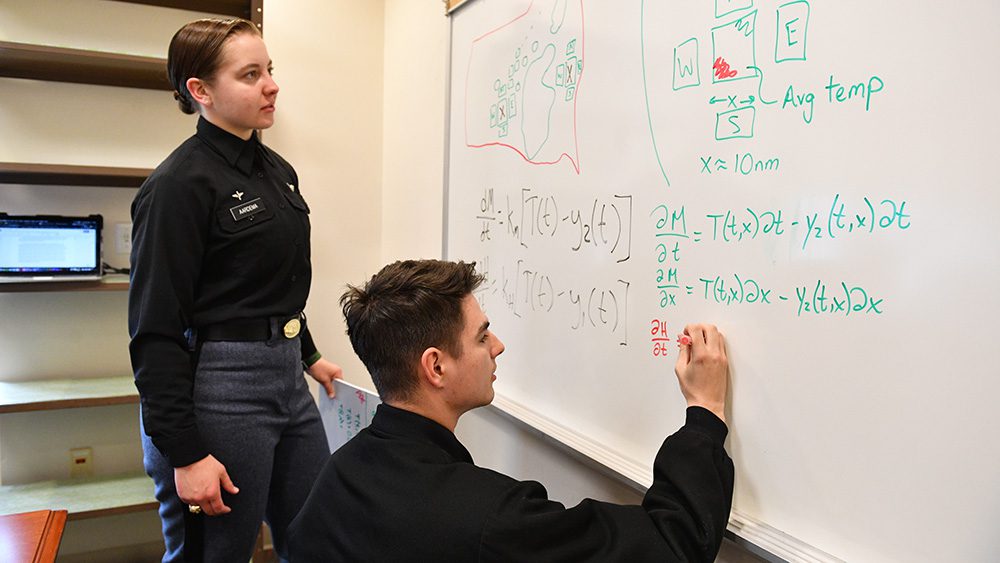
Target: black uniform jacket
[(405, 489), (220, 233)]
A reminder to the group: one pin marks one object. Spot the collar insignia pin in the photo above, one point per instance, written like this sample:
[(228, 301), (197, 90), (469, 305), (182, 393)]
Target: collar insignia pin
[(238, 195)]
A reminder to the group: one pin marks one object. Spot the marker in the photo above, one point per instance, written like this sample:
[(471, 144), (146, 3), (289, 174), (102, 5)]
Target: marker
[(683, 340)]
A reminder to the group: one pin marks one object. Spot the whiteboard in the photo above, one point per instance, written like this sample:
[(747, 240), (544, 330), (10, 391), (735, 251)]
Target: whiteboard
[(816, 178), (350, 411)]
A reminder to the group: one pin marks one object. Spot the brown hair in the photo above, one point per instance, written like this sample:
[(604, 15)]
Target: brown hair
[(404, 309), (196, 52)]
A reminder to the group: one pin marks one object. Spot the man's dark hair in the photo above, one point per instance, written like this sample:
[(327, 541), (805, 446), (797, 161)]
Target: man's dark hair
[(404, 309)]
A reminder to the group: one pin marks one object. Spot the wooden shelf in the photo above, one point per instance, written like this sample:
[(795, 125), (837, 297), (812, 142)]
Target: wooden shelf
[(81, 498), (115, 282), (79, 66), (41, 62), (56, 394), (237, 8), (72, 175)]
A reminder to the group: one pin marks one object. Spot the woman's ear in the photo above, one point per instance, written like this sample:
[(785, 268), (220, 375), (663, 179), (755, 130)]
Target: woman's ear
[(199, 91), (431, 368)]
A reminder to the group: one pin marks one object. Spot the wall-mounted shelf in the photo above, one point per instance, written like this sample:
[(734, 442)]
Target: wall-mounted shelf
[(116, 282), (79, 66), (54, 394), (81, 498), (42, 62), (237, 8), (72, 175)]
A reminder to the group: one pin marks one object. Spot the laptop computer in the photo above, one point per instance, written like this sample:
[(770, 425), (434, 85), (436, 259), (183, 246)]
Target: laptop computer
[(47, 248)]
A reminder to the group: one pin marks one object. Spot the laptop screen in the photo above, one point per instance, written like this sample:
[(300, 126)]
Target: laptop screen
[(50, 246)]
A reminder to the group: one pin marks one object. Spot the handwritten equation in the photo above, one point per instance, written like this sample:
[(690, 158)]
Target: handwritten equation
[(735, 226), (603, 225), (819, 297), (528, 291), (659, 338)]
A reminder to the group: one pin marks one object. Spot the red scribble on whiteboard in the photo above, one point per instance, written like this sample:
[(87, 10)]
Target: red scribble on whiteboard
[(361, 396), (576, 144), (721, 68)]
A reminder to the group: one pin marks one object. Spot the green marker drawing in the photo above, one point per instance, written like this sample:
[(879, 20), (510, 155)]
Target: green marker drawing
[(645, 90)]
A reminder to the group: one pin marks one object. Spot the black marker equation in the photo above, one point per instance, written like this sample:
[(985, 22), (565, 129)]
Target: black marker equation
[(527, 291), (604, 224)]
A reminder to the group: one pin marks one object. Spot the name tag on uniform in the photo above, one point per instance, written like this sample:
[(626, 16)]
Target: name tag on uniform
[(248, 209)]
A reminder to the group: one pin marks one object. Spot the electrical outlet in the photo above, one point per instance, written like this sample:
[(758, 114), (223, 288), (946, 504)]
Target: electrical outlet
[(123, 238), (81, 462)]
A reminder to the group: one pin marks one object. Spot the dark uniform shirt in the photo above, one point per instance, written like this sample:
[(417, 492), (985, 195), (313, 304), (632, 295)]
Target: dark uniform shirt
[(219, 233), (405, 489)]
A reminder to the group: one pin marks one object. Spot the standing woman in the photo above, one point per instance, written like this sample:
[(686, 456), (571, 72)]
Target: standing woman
[(220, 275)]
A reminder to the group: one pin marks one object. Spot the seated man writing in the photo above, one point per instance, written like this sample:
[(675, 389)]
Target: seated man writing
[(405, 489)]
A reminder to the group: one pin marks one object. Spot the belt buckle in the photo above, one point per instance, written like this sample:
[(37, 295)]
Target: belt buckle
[(292, 328)]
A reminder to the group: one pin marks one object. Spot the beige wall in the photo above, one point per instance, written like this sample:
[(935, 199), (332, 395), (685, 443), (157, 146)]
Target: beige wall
[(416, 37), (328, 62)]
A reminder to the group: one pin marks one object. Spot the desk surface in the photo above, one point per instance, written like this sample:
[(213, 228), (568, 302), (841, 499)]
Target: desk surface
[(31, 536)]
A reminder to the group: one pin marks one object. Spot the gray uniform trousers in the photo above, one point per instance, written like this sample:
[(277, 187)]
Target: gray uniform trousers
[(258, 418)]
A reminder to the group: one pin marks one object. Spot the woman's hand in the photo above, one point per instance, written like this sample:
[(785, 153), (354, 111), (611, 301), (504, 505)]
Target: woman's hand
[(198, 485), (325, 371)]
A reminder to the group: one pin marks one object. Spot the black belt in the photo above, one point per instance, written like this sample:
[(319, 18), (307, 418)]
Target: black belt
[(251, 330)]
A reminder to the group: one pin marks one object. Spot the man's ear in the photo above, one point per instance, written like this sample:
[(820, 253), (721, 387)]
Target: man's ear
[(431, 368), (199, 91)]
